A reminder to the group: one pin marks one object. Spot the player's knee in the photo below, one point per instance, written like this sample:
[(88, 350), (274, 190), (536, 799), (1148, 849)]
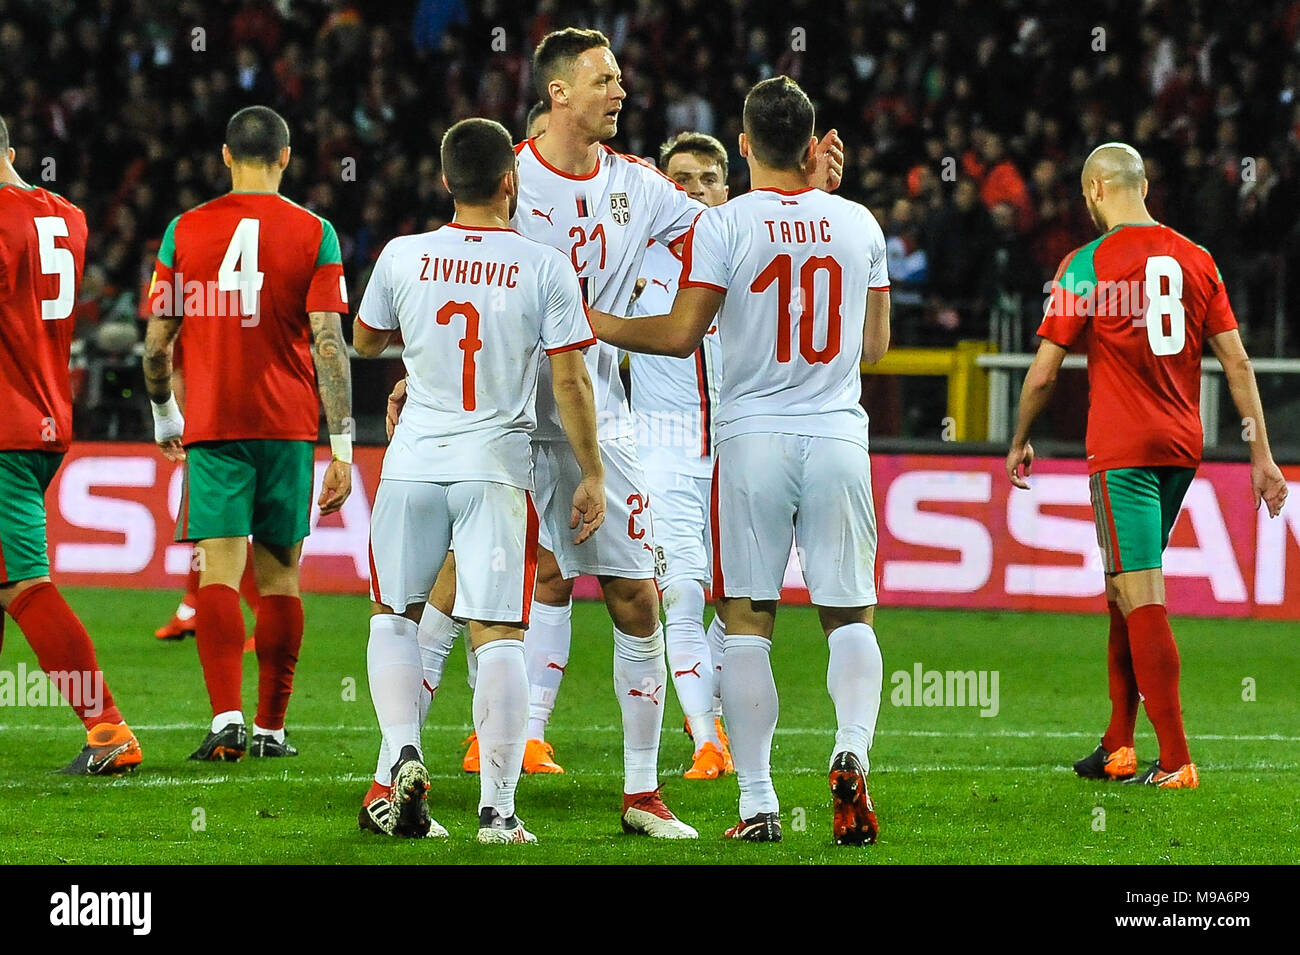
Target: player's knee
[(552, 589), (633, 605), (832, 618), (683, 600)]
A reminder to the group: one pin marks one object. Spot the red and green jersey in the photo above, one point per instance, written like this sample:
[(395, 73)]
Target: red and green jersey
[(243, 271), (1142, 300), (42, 255)]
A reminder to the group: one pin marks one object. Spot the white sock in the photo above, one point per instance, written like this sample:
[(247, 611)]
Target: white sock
[(546, 650), (689, 659), (853, 677), (500, 719), (222, 720), (277, 735), (750, 703), (436, 633), (639, 678), (396, 679), (471, 663), (184, 611), (715, 636)]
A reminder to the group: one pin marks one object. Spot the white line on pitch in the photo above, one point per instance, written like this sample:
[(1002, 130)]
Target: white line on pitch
[(781, 731)]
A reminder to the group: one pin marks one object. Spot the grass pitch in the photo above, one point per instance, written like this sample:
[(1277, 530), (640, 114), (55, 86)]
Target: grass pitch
[(950, 786)]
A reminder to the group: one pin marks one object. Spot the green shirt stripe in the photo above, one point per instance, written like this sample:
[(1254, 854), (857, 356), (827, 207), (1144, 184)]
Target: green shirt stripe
[(329, 253), (167, 251)]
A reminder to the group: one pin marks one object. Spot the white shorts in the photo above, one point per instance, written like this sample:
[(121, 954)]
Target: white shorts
[(772, 489), (494, 529), (682, 506), (624, 546)]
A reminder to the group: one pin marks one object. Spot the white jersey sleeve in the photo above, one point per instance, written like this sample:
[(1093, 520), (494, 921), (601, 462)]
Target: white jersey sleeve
[(565, 325), (707, 254), (376, 310), (675, 212)]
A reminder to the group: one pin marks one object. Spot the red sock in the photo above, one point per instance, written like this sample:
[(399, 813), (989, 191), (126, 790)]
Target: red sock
[(278, 636), (1155, 663), (375, 791), (248, 586), (191, 586), (219, 632), (63, 646), (1123, 684)]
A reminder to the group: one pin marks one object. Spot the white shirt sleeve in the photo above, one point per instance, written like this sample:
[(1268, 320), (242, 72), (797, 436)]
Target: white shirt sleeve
[(878, 269), (705, 259), (674, 210), (376, 310), (565, 325)]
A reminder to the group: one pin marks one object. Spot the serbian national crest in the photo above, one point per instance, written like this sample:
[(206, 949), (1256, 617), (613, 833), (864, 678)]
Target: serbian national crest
[(619, 207)]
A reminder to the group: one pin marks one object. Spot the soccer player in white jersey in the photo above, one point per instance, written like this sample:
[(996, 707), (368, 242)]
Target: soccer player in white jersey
[(601, 208), (476, 304), (797, 283), (673, 400)]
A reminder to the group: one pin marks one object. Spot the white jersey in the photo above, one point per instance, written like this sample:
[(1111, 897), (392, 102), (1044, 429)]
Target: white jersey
[(673, 399), (602, 223), (795, 268), (476, 308)]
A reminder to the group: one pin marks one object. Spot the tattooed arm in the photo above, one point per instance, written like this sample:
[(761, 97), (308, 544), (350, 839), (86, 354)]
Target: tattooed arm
[(168, 423), (334, 382)]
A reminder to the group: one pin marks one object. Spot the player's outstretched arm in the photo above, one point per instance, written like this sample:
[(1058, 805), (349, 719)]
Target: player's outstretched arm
[(875, 330), (677, 334), (168, 423), (334, 382), (577, 406), (1040, 381), (1266, 480)]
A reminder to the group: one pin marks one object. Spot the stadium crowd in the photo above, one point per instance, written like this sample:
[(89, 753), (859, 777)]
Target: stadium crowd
[(965, 122)]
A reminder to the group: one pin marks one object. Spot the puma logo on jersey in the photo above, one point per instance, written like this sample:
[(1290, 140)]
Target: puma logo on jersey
[(657, 282), (545, 215), (653, 697), (693, 671)]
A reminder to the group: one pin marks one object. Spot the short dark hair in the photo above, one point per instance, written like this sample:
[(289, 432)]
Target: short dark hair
[(4, 136), (554, 56), (257, 134), (539, 108), (779, 122), (476, 153), (697, 144)]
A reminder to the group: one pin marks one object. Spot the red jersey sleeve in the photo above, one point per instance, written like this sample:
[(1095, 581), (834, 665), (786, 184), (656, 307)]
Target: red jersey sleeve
[(328, 291)]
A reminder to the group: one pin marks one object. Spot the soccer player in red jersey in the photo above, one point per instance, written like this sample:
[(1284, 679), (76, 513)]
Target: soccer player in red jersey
[(42, 255), (1143, 300), (253, 284)]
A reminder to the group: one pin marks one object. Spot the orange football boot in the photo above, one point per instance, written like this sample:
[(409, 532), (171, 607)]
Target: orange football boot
[(176, 628), (111, 749), (1184, 777), (539, 757), (708, 763), (470, 763)]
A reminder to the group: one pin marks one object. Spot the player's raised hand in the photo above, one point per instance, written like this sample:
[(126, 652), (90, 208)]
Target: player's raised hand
[(396, 401), (588, 508), (336, 487), (826, 170), (1269, 486), (1018, 455)]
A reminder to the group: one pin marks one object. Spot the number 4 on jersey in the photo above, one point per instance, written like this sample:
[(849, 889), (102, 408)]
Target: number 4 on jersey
[(238, 271)]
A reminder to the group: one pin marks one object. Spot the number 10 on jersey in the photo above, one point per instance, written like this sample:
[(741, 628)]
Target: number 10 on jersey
[(781, 271)]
